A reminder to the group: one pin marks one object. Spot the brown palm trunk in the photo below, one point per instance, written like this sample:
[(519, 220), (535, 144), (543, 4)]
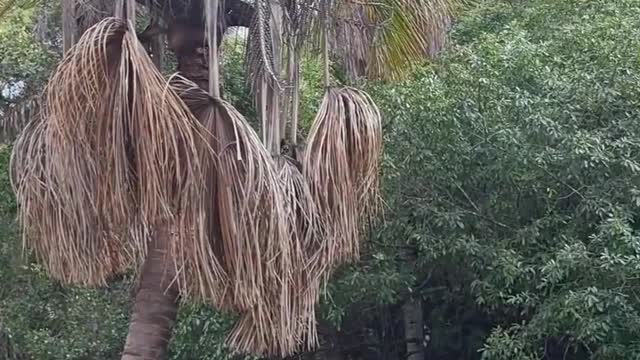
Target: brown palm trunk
[(186, 40), (155, 306)]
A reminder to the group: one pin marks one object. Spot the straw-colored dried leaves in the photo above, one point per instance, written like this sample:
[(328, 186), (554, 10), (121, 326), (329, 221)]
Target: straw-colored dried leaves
[(113, 153)]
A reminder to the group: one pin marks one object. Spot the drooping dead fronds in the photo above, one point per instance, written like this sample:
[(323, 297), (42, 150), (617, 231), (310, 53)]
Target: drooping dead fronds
[(305, 230), (364, 148), (326, 166), (341, 163), (248, 219), (247, 206), (114, 153), (290, 309)]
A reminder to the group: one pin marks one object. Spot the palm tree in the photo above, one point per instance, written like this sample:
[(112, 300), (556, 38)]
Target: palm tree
[(121, 171)]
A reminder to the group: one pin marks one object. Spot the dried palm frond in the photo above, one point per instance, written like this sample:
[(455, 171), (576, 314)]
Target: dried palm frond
[(249, 218), (305, 233), (247, 200), (279, 328), (341, 163), (291, 307), (364, 148), (114, 153), (246, 213), (326, 166), (280, 316)]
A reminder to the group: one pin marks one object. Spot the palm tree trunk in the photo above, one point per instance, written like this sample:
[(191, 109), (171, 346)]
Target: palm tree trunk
[(186, 40), (156, 303)]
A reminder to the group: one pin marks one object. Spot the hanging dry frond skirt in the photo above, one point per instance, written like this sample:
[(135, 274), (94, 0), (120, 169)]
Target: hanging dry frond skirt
[(341, 164), (291, 306), (250, 219), (113, 153)]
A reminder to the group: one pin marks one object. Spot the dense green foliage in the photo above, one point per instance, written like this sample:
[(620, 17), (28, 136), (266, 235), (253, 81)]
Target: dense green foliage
[(512, 189), (513, 173), (25, 59)]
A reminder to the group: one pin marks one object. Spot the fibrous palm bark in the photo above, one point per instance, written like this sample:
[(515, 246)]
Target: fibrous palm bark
[(155, 304)]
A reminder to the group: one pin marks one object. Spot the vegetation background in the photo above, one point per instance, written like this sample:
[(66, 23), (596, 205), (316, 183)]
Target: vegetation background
[(512, 194)]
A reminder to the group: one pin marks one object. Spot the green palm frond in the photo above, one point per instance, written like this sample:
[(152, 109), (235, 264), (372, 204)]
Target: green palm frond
[(381, 39), (6, 6), (411, 30)]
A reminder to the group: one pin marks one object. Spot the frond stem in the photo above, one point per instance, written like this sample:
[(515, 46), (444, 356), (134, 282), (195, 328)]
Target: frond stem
[(325, 43), (212, 38)]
